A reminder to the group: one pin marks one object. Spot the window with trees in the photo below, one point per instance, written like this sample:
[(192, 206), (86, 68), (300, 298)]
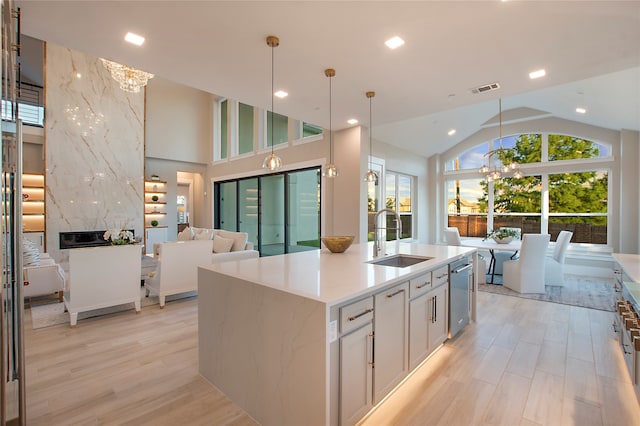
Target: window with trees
[(398, 197), (578, 193)]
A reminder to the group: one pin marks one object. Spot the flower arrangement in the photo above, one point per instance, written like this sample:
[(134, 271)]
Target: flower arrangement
[(119, 237), (502, 234)]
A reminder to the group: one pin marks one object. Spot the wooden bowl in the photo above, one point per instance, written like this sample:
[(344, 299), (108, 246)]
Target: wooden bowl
[(337, 243)]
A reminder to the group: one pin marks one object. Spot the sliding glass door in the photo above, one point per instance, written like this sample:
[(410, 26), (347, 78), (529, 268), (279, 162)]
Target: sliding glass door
[(280, 212)]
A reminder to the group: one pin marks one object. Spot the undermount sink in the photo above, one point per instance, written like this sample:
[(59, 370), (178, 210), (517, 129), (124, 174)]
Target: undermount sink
[(400, 260)]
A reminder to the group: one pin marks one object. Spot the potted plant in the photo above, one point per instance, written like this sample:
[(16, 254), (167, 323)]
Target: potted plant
[(154, 223), (502, 235)]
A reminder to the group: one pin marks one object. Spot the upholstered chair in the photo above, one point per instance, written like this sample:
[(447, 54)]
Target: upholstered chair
[(452, 236), (46, 278), (526, 274), (554, 267)]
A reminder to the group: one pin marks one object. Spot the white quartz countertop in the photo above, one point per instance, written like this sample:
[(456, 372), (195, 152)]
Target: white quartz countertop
[(630, 263), (333, 278)]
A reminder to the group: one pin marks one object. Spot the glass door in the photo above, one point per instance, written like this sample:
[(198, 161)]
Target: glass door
[(227, 198), (272, 197), (248, 208), (303, 224)]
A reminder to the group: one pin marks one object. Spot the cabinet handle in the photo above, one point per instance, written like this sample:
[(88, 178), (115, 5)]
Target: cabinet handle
[(426, 283), (355, 317), (435, 309), (370, 338), (395, 293), (442, 276)]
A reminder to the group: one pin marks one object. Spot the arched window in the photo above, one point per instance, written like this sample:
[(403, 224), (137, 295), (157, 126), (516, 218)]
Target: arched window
[(546, 199)]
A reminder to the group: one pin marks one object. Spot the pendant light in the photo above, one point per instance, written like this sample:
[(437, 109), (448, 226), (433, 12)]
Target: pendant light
[(330, 171), (371, 175), (272, 162)]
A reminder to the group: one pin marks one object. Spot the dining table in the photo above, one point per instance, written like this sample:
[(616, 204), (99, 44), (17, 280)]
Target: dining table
[(491, 246)]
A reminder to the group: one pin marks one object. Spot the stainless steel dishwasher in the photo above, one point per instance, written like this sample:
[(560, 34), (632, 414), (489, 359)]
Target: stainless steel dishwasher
[(458, 295)]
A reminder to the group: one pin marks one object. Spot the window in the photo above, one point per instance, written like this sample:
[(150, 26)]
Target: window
[(245, 128), (398, 197), (280, 129), (309, 130), (577, 200), (224, 129)]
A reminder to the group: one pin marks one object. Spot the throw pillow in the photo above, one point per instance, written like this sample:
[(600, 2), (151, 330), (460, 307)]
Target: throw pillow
[(239, 239), (185, 235), (222, 245), (30, 253), (205, 234)]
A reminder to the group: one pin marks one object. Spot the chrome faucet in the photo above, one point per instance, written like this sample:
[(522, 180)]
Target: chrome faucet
[(398, 228)]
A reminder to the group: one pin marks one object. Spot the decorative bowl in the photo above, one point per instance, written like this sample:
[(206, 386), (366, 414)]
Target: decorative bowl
[(337, 243), (505, 240)]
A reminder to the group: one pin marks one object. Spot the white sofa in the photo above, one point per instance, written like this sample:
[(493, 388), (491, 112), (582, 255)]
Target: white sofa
[(102, 276), (222, 249)]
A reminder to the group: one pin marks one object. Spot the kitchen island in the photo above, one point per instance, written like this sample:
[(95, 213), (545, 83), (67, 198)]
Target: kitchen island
[(290, 338)]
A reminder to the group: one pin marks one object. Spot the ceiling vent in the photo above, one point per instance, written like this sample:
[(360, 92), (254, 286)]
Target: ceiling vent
[(486, 88)]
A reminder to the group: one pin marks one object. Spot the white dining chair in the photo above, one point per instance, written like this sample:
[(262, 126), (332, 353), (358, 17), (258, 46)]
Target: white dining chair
[(526, 274), (452, 237), (554, 266)]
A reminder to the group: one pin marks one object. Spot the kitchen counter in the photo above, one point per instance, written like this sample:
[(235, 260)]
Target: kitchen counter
[(630, 264), (332, 278), (267, 327)]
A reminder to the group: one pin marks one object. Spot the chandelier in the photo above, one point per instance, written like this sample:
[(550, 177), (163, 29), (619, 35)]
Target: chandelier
[(494, 173), (130, 79)]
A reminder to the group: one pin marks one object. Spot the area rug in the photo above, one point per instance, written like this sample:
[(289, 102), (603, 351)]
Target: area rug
[(587, 292), (49, 314)]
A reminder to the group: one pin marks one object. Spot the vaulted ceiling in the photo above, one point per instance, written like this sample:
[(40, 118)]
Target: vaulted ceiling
[(590, 50)]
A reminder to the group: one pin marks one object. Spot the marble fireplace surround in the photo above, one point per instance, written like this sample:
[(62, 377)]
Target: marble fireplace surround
[(94, 150)]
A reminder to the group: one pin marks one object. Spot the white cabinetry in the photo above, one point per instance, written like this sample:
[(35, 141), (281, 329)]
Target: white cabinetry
[(390, 324), (356, 361), (427, 315)]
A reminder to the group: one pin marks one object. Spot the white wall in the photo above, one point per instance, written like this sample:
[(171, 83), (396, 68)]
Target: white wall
[(178, 122)]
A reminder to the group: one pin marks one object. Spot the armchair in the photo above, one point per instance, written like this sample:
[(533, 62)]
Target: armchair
[(526, 274), (554, 267), (48, 278), (177, 268)]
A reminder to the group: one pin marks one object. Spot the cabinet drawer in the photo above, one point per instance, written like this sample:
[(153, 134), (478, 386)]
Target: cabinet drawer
[(356, 314), (440, 276), (420, 285)]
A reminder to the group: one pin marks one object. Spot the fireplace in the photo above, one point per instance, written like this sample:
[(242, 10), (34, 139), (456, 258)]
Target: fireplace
[(78, 239)]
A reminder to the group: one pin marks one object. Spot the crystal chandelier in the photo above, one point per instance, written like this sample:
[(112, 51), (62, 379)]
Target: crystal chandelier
[(272, 162), (331, 170), (130, 79), (494, 173)]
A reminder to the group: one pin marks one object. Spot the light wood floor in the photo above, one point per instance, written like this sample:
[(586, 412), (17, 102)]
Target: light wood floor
[(524, 363)]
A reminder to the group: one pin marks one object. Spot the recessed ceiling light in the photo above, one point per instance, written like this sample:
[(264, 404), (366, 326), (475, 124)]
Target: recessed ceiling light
[(352, 121), (451, 132), (537, 74), (580, 110), (281, 94), (394, 42), (134, 39)]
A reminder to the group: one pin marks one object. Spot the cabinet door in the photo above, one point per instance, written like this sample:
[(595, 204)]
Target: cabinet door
[(356, 374), (390, 325), (419, 318), (439, 316)]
